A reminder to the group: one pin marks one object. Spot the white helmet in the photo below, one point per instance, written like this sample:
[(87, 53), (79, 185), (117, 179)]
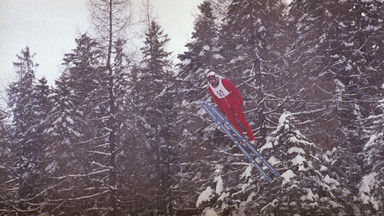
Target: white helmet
[(211, 74)]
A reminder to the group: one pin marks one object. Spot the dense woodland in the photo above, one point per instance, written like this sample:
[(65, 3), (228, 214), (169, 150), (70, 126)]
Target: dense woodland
[(118, 135)]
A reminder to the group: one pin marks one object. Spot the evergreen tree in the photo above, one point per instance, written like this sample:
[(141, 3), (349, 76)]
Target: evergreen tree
[(76, 101), (201, 52), (307, 186), (152, 93), (355, 60), (42, 108), (63, 153), (326, 65), (26, 139), (301, 81), (220, 9), (6, 161), (87, 86), (128, 153), (370, 188)]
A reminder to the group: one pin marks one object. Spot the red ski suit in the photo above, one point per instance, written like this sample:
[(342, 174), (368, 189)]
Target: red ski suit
[(229, 101)]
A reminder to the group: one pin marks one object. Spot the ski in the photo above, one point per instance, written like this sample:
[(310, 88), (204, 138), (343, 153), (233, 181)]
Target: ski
[(234, 135)]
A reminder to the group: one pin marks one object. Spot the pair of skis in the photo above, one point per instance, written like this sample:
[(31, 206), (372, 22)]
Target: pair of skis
[(235, 136)]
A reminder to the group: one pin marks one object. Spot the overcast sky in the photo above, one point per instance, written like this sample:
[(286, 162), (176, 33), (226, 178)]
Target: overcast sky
[(49, 28)]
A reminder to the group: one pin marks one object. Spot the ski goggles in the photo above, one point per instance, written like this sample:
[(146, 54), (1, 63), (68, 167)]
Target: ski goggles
[(211, 78)]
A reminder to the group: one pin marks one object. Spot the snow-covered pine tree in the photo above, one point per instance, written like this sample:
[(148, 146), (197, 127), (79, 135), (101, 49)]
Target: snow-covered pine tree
[(350, 55), (341, 80), (371, 188), (201, 53), (230, 192), (6, 162), (64, 163), (354, 58), (310, 84), (76, 102), (42, 107), (129, 153), (152, 96), (75, 95), (219, 10), (134, 159), (169, 152), (27, 144), (306, 186)]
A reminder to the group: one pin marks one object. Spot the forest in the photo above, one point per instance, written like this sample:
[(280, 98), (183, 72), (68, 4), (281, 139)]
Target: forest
[(117, 135)]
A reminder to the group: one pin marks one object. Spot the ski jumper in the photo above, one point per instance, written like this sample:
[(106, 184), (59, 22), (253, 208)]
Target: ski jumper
[(229, 101)]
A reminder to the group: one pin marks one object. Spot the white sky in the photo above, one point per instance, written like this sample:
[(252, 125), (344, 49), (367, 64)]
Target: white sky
[(49, 28)]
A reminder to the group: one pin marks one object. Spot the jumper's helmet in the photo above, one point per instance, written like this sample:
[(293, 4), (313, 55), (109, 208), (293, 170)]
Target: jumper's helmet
[(211, 75), (212, 79)]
